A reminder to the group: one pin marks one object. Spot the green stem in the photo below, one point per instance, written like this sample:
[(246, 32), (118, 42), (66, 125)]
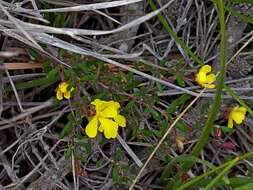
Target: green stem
[(222, 173), (214, 110), (198, 178), (226, 167)]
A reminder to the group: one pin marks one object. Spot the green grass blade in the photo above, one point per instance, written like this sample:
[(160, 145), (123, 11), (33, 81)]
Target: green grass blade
[(221, 174), (243, 17), (214, 110), (248, 186), (241, 1)]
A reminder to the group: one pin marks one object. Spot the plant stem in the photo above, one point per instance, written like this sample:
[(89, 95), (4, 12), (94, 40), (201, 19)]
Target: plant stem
[(214, 110)]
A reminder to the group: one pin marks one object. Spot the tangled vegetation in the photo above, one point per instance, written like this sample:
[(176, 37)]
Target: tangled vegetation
[(126, 94)]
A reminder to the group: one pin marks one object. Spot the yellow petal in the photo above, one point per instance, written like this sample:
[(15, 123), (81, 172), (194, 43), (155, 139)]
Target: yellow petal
[(59, 95), (110, 111), (242, 109), (238, 117), (210, 78), (67, 95), (114, 132), (100, 129), (116, 104), (211, 86), (201, 78), (121, 120), (230, 122), (99, 104), (92, 128), (63, 86), (205, 69), (110, 127)]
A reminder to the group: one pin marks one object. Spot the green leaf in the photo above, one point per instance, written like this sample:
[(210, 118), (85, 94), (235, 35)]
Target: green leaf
[(180, 79), (182, 127), (69, 151), (245, 187), (177, 102), (241, 1), (47, 66), (115, 176), (59, 19), (52, 74), (129, 106), (66, 130), (225, 129), (155, 114), (147, 133), (33, 54), (237, 182)]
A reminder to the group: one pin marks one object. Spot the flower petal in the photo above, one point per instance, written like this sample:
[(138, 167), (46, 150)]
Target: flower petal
[(238, 117), (110, 111), (116, 104), (59, 95), (242, 109), (205, 69), (67, 94), (230, 122), (110, 127), (210, 78), (114, 132), (211, 86), (63, 86), (100, 129), (201, 78), (121, 120), (92, 128), (99, 104)]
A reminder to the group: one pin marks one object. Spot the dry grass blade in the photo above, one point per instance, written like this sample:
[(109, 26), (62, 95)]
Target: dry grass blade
[(69, 31), (28, 112), (15, 21), (129, 151), (94, 6)]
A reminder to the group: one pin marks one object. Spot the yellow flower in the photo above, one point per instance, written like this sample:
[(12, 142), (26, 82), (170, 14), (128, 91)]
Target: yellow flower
[(203, 78), (62, 91), (237, 114), (106, 120)]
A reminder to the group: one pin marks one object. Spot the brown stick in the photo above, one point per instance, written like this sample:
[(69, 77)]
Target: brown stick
[(21, 66)]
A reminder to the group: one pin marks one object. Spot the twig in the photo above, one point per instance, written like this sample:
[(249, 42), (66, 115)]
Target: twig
[(130, 152)]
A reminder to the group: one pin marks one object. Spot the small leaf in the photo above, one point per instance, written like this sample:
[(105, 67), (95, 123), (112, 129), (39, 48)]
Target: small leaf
[(177, 102), (180, 79), (69, 152), (52, 74), (155, 114), (225, 129), (115, 176), (66, 130), (33, 54)]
